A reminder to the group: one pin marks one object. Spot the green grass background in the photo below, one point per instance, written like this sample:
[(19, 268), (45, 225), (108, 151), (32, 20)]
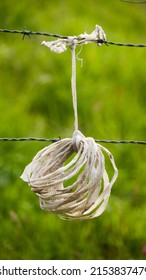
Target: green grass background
[(35, 100)]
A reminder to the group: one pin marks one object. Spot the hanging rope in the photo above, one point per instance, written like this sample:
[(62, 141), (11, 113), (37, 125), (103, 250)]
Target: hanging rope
[(78, 162), (73, 85)]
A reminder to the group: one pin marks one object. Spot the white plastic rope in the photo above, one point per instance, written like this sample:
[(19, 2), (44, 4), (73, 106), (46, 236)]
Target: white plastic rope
[(69, 176)]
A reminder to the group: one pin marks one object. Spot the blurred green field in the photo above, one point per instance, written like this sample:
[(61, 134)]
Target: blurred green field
[(35, 100)]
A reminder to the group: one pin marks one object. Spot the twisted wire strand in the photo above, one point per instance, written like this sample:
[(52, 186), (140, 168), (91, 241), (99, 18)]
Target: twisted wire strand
[(134, 2), (124, 44), (52, 140), (107, 43), (29, 32), (121, 142), (30, 139)]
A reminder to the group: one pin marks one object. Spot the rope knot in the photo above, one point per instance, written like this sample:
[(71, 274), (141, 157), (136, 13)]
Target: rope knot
[(77, 140)]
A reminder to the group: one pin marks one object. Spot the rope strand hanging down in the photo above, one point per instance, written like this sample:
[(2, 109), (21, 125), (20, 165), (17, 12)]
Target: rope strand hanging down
[(73, 85)]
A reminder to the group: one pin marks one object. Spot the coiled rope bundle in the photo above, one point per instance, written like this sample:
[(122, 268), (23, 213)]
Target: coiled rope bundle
[(88, 195)]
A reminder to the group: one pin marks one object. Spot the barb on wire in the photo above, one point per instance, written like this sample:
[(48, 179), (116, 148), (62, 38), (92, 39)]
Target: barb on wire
[(78, 38), (25, 34), (52, 140)]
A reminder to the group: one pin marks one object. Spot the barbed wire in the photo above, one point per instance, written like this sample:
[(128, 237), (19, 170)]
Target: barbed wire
[(107, 43), (53, 140), (29, 33), (134, 2), (121, 142)]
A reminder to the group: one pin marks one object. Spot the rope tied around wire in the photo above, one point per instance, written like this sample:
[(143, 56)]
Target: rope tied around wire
[(60, 46)]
